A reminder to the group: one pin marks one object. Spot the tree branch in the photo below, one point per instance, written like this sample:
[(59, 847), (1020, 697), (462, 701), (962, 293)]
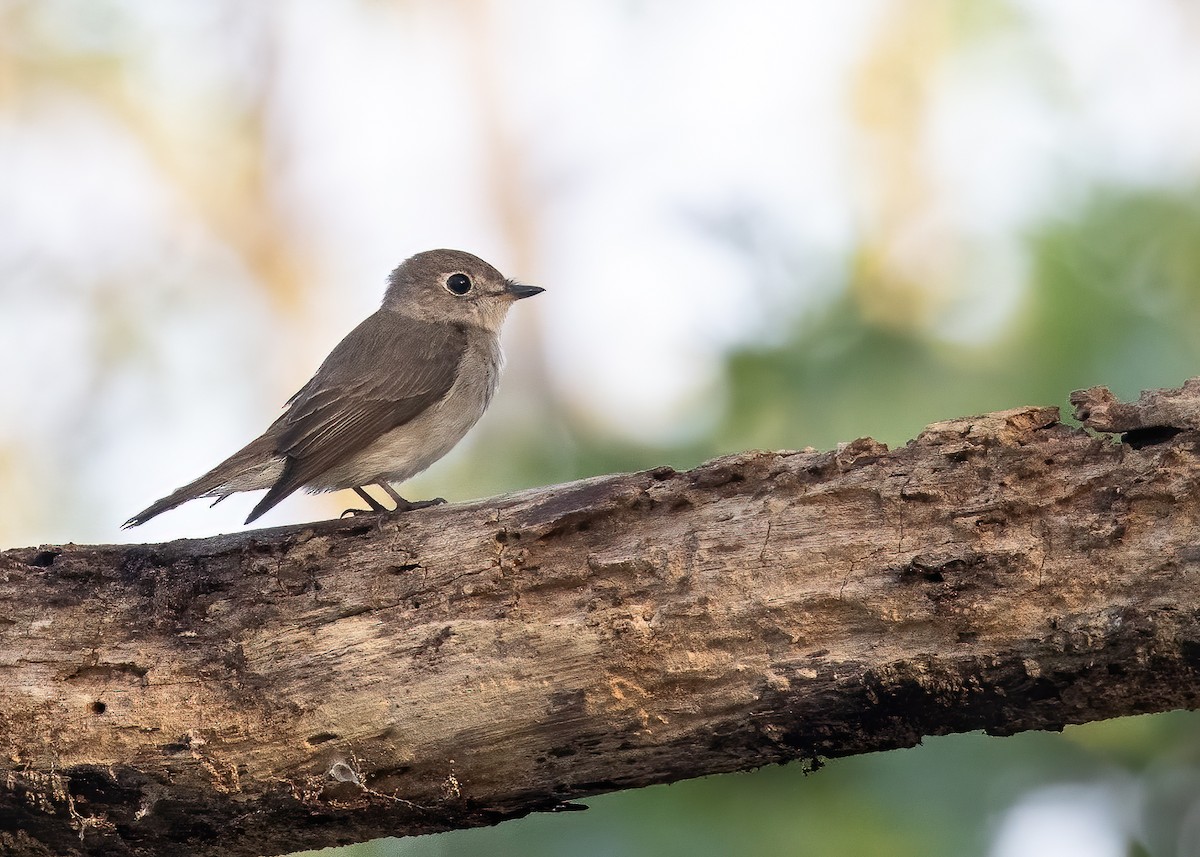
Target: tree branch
[(323, 684)]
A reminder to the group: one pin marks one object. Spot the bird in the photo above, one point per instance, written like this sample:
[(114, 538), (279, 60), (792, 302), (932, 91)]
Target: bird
[(394, 396)]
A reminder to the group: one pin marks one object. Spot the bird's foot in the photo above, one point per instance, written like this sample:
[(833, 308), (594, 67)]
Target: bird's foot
[(355, 513), (411, 505), (377, 508), (403, 505)]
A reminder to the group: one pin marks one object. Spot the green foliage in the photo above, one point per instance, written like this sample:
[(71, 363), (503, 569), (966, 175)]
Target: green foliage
[(1113, 298)]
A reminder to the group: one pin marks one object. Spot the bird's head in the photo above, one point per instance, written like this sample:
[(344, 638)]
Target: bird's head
[(453, 286)]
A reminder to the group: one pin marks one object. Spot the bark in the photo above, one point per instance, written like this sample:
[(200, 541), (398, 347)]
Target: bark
[(328, 683)]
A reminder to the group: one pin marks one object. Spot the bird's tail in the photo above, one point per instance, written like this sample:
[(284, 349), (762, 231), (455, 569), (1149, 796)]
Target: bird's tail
[(247, 460)]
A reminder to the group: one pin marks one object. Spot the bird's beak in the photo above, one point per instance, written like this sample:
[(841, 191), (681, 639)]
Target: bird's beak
[(520, 290)]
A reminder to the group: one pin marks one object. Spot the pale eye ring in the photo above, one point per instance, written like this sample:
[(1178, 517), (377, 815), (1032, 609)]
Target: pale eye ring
[(458, 284)]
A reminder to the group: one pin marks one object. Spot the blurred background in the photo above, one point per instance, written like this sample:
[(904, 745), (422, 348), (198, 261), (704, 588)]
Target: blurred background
[(760, 224)]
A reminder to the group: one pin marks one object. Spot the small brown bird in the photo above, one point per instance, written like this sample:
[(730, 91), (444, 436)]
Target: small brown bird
[(393, 397)]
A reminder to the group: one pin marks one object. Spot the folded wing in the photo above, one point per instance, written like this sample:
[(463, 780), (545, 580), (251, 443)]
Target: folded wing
[(384, 373)]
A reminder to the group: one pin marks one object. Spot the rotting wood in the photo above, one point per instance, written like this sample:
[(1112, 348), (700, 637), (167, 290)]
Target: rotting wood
[(323, 684), (1155, 411)]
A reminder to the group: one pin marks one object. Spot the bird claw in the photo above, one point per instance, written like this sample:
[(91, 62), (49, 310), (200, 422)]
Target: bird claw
[(354, 513), (406, 506), (412, 505)]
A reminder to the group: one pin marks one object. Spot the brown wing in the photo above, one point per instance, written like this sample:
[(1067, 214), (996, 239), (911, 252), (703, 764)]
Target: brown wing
[(384, 373)]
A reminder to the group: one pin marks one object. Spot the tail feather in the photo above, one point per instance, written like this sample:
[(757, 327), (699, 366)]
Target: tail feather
[(176, 498), (255, 454), (283, 486)]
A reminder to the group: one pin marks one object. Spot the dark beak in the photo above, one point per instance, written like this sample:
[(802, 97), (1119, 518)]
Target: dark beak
[(520, 290)]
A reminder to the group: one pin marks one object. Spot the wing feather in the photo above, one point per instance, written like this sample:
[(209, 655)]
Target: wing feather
[(384, 373)]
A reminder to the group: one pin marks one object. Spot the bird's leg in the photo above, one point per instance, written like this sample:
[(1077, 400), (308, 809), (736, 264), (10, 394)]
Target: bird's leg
[(376, 506), (403, 505)]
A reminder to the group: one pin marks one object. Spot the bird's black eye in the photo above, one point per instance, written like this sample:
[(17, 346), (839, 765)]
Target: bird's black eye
[(458, 284)]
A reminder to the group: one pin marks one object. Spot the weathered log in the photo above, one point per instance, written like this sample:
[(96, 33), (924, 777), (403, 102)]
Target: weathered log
[(1155, 410), (328, 683)]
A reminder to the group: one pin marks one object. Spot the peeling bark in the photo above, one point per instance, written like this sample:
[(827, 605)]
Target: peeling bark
[(323, 684)]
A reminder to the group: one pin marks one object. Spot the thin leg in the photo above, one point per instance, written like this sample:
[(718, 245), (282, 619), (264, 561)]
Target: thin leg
[(376, 506), (403, 505)]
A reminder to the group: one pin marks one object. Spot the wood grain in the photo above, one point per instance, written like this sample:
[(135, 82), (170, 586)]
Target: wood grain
[(323, 684)]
